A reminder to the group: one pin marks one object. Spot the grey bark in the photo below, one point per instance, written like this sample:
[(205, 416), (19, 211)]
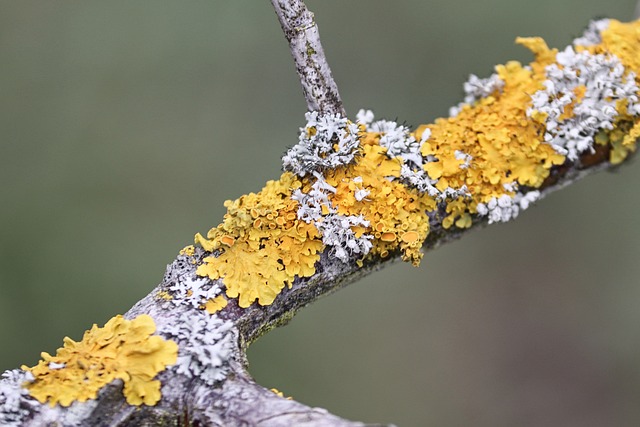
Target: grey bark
[(301, 31), (236, 400), (187, 400)]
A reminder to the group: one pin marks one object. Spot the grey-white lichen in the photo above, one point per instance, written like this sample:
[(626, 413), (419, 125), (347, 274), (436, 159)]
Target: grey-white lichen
[(476, 88), (605, 84), (312, 204), (334, 228), (326, 142), (193, 291), (505, 207), (591, 35), (205, 344), (15, 402), (400, 143), (331, 141), (338, 235)]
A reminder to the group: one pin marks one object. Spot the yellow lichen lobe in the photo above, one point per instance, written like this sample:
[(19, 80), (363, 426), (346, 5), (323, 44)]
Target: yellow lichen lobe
[(544, 55), (164, 295), (229, 240), (631, 138), (215, 304), (622, 139), (279, 393), (188, 250), (122, 349), (392, 208), (623, 41), (262, 245)]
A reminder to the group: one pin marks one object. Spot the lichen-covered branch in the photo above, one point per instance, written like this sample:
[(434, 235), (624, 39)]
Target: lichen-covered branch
[(301, 31), (354, 196)]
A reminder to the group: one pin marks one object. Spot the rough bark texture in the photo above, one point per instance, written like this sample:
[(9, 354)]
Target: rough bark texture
[(236, 400), (301, 31)]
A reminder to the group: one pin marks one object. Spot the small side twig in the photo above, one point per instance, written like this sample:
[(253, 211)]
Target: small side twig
[(301, 31)]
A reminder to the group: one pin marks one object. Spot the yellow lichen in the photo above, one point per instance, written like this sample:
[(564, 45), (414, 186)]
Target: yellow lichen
[(122, 349), (216, 304), (188, 250), (164, 295), (623, 41), (391, 208), (262, 244), (279, 393), (493, 149), (631, 138), (505, 145)]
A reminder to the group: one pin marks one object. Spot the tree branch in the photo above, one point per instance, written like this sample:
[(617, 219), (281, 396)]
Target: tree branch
[(301, 31), (204, 314)]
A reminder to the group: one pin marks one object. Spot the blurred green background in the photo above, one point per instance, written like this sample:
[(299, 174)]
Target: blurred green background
[(125, 125)]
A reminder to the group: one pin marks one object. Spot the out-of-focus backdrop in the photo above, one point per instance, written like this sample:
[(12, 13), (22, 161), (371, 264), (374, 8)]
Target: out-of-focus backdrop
[(125, 125)]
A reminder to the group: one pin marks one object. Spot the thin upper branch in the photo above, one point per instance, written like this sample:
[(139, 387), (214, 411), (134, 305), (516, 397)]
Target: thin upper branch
[(301, 31), (209, 384)]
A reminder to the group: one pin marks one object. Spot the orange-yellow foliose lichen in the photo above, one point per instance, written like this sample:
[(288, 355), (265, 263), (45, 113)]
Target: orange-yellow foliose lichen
[(122, 349), (188, 250), (215, 304), (279, 393), (391, 208), (368, 189), (164, 295), (262, 245)]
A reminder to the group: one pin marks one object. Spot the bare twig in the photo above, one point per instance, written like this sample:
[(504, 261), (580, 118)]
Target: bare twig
[(301, 31)]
